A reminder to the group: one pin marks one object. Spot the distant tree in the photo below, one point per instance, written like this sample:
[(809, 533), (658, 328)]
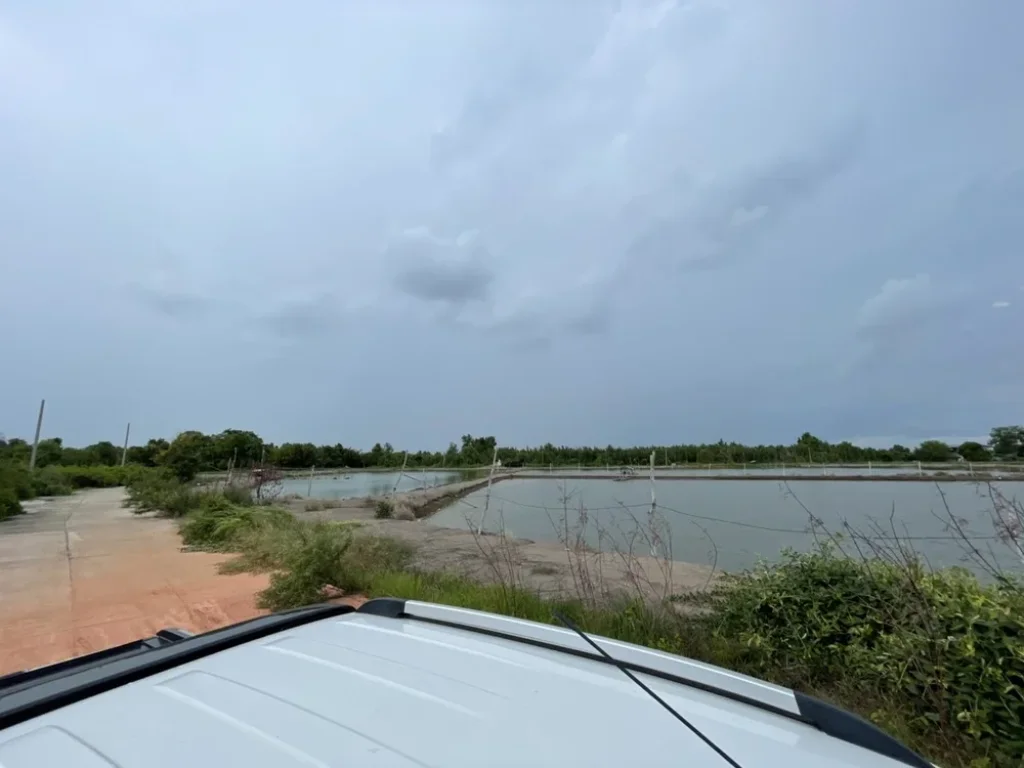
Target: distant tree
[(186, 455), (973, 451), (49, 452), (933, 450), (1007, 442), (900, 453), (295, 455)]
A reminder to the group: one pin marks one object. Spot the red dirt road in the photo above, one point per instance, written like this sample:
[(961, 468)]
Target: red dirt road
[(80, 574)]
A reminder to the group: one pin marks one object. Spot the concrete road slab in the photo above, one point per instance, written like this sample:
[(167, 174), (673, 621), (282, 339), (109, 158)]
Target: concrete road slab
[(82, 573)]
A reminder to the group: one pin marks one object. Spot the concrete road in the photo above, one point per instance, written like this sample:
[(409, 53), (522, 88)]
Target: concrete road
[(81, 573)]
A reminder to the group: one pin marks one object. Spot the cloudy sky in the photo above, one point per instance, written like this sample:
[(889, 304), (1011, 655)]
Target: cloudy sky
[(579, 222)]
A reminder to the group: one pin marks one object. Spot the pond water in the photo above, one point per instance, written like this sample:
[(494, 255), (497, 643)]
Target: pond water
[(746, 520), (354, 485), (1014, 471)]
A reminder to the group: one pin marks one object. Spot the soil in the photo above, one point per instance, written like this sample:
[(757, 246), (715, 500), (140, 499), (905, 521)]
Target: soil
[(81, 573)]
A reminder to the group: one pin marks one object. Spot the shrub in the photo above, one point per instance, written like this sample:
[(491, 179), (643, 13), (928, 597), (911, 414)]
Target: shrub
[(936, 651), (238, 494), (314, 561), (219, 525), (384, 509), (10, 505), (51, 481), (101, 476), (18, 480)]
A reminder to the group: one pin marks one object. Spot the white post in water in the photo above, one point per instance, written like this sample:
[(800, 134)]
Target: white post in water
[(869, 469), (487, 496), (652, 517), (401, 474), (124, 450), (309, 487), (919, 470), (970, 468), (35, 443)]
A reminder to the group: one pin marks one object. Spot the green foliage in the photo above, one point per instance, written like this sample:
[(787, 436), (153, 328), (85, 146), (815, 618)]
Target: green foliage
[(193, 452), (10, 505), (315, 561), (51, 481), (162, 492), (974, 451), (17, 479), (1007, 442), (932, 650), (237, 494), (99, 476), (217, 524), (185, 456), (933, 451), (384, 509)]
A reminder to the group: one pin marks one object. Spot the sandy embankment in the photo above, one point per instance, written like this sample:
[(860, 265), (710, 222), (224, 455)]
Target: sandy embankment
[(542, 566)]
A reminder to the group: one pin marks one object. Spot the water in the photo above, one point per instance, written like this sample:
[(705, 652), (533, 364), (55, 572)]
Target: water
[(355, 485), (745, 520), (752, 470)]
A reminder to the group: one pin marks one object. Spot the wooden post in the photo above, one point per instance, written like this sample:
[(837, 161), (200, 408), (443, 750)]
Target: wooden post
[(487, 496)]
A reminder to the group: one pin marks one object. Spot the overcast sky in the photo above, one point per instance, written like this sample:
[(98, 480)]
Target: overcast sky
[(568, 221)]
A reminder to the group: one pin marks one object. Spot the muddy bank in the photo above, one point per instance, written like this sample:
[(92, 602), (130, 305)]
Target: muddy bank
[(544, 567)]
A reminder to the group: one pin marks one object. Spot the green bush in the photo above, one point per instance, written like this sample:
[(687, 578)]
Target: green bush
[(238, 494), (51, 481), (10, 505), (100, 476), (937, 652), (384, 509), (17, 479), (160, 491), (317, 559), (219, 525)]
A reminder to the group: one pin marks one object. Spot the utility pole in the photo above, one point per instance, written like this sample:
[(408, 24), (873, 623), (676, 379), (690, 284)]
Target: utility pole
[(124, 451), (35, 443)]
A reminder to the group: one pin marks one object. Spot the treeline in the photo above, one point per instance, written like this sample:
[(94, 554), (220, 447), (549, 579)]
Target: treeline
[(193, 452)]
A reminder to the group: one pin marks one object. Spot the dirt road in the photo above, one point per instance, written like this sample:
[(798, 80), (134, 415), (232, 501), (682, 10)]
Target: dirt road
[(80, 573)]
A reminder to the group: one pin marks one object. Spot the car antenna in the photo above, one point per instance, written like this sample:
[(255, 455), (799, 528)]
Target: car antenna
[(646, 689)]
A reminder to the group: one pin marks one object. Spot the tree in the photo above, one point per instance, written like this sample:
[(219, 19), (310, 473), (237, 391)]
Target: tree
[(933, 450), (1007, 442), (186, 455), (972, 451)]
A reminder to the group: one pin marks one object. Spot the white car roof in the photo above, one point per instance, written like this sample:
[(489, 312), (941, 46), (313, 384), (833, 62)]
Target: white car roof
[(403, 683)]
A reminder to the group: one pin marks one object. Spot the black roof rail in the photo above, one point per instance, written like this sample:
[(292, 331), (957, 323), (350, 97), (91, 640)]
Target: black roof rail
[(24, 695)]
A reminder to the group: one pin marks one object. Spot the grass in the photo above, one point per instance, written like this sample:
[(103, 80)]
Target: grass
[(934, 658)]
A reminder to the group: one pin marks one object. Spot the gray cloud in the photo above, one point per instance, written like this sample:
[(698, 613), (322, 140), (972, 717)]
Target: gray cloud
[(711, 227), (174, 304), (616, 208), (303, 319), (433, 269)]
